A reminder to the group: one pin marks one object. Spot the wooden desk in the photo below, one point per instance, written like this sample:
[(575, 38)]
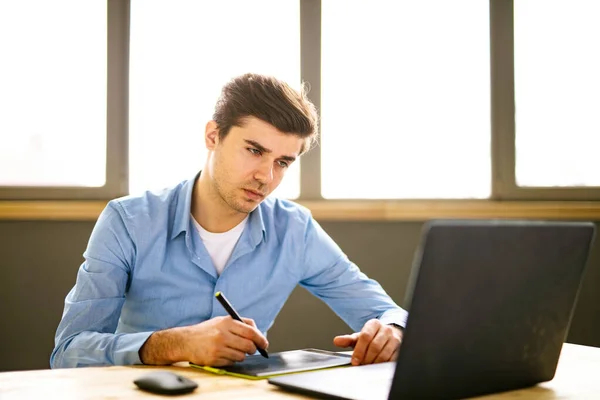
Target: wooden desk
[(577, 377)]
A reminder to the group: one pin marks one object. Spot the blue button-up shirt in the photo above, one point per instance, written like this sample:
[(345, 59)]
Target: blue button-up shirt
[(146, 269)]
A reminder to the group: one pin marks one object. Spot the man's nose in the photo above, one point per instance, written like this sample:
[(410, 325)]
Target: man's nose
[(264, 173)]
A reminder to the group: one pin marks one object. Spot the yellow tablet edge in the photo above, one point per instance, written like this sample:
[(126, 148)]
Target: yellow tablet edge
[(252, 377)]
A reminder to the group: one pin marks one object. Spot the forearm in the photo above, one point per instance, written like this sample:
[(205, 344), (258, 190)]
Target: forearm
[(354, 297), (164, 347), (88, 349)]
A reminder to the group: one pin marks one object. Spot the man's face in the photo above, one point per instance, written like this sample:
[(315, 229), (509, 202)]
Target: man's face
[(249, 163)]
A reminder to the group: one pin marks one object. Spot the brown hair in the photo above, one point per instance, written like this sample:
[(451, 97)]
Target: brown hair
[(270, 100)]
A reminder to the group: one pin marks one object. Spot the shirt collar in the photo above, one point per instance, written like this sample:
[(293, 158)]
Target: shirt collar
[(256, 225), (182, 220)]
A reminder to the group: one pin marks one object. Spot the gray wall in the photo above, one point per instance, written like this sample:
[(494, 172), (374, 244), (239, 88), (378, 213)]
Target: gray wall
[(40, 259)]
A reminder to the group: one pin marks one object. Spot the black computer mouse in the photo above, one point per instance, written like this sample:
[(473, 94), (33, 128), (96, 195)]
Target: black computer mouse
[(165, 382)]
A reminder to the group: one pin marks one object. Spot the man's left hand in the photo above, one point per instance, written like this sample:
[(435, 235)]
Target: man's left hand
[(375, 343)]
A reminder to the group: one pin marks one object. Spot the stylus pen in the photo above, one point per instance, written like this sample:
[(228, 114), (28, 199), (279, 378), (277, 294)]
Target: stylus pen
[(223, 300)]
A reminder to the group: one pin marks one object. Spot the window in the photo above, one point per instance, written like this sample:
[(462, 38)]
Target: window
[(431, 99), (53, 80), (182, 52), (557, 93), (405, 99)]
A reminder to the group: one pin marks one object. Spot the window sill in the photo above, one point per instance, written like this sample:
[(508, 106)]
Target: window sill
[(345, 210)]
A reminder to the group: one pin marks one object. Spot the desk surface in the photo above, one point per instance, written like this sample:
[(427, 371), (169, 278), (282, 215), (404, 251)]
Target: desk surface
[(577, 377)]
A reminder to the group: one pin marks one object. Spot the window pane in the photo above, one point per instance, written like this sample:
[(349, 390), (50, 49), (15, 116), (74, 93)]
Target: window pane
[(182, 53), (405, 104), (53, 93), (557, 92)]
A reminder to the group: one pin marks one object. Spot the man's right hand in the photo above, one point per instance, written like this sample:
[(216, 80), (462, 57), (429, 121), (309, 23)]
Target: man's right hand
[(217, 342)]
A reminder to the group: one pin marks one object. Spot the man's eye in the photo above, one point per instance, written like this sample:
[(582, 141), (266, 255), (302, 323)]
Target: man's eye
[(283, 164), (254, 151)]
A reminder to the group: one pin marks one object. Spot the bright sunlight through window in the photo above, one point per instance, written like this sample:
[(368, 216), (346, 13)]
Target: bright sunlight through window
[(53, 93), (406, 99), (182, 53), (557, 92)]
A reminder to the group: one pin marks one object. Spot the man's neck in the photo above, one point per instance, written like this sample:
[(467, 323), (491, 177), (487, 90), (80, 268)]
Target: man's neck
[(210, 210)]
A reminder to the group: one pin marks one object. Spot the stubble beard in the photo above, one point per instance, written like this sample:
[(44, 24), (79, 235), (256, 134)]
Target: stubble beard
[(233, 201)]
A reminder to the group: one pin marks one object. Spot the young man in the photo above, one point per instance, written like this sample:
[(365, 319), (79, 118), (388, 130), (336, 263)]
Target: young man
[(146, 290)]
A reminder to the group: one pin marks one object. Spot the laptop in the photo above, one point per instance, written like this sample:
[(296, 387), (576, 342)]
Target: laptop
[(490, 303)]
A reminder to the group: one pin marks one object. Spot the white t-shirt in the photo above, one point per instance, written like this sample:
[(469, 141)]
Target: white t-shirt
[(220, 245)]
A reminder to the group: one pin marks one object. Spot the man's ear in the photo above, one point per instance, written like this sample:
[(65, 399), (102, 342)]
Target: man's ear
[(211, 135)]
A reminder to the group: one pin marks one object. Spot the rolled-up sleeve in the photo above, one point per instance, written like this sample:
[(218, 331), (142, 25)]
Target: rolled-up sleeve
[(332, 277), (86, 333)]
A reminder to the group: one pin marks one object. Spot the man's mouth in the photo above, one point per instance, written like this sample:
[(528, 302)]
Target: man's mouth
[(254, 194)]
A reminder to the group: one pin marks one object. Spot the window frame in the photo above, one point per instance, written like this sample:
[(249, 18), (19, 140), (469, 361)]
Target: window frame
[(503, 179), (310, 71)]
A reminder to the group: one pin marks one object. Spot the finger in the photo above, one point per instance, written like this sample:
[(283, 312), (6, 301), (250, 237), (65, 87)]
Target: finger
[(240, 343), (345, 340), (365, 337), (222, 356), (231, 354), (249, 332), (395, 355), (377, 344), (388, 350), (249, 321), (222, 362)]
